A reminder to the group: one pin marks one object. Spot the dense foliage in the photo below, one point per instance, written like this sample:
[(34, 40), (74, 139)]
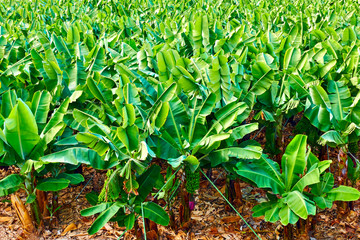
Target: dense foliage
[(116, 85)]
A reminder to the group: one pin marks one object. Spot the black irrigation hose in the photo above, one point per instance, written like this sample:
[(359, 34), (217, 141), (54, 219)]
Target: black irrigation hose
[(80, 191)]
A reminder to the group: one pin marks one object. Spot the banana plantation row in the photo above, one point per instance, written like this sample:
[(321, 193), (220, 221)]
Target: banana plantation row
[(118, 85)]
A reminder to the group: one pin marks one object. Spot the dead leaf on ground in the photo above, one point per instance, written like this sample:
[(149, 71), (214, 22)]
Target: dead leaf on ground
[(230, 219), (5, 219), (70, 227)]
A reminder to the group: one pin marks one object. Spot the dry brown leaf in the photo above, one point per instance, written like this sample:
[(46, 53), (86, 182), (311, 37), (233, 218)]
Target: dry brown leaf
[(230, 219), (213, 230), (197, 218), (222, 190), (209, 196), (5, 219), (258, 219), (70, 227), (22, 213), (152, 235)]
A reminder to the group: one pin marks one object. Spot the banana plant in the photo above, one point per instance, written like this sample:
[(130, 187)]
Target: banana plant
[(288, 194), (323, 193), (335, 113), (27, 140), (118, 132), (196, 134), (116, 204), (284, 97), (276, 104), (122, 145)]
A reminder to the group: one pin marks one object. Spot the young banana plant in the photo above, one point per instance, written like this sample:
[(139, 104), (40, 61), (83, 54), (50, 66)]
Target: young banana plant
[(289, 198), (323, 193), (122, 146), (116, 204), (27, 140)]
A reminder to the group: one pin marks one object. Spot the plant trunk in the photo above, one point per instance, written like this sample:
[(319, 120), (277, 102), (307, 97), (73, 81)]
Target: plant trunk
[(303, 226), (345, 161), (35, 209), (300, 226), (343, 158), (314, 220), (184, 211), (342, 165), (279, 142), (234, 192), (323, 153), (42, 200), (345, 206), (54, 218), (351, 206), (288, 232)]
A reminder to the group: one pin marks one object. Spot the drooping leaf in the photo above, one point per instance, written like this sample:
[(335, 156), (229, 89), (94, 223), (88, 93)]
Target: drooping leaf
[(300, 205), (287, 216), (147, 181), (223, 155), (74, 178), (77, 155), (344, 193), (154, 212), (11, 181), (53, 184)]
